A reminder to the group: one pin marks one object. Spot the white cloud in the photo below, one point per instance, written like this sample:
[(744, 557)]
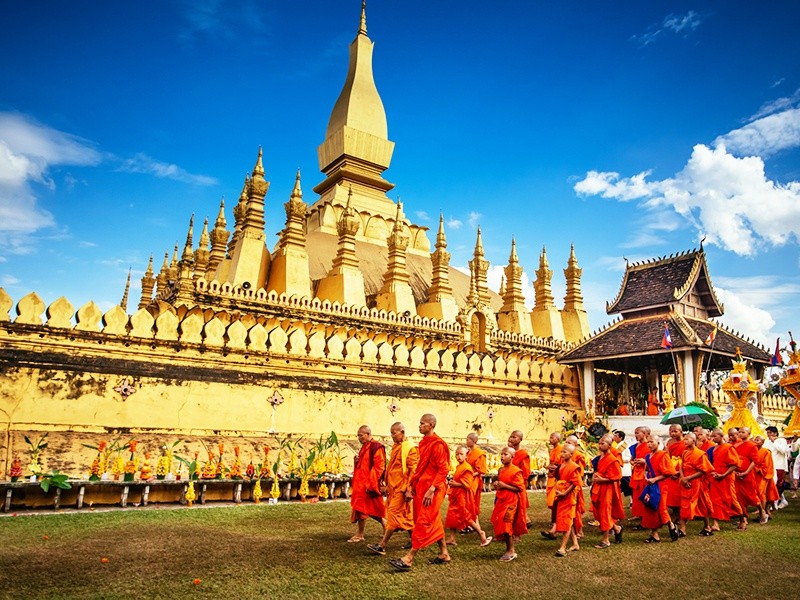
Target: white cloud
[(454, 224), (728, 199), (671, 23), (27, 151), (9, 280), (748, 319), (474, 218), (765, 136), (422, 215), (142, 163)]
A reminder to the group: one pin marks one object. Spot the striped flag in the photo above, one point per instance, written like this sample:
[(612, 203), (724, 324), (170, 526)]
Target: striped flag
[(666, 341), (712, 336), (777, 359)]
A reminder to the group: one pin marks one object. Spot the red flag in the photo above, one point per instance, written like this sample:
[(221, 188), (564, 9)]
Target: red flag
[(666, 341), (777, 359)]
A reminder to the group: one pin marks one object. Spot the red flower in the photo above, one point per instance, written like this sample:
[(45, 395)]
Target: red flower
[(196, 581)]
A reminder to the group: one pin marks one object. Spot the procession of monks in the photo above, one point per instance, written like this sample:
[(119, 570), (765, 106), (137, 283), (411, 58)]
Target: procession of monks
[(700, 475)]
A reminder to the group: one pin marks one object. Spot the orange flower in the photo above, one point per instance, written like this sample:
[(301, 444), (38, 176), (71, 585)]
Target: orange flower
[(101, 446), (104, 560), (132, 445), (196, 581), (221, 448), (45, 537)]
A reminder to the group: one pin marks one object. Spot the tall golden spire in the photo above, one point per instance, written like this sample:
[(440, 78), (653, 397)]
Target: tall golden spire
[(148, 283), (124, 302), (544, 275), (574, 317), (479, 267), (219, 239), (362, 29), (395, 294), (289, 273), (513, 315), (441, 304), (187, 248)]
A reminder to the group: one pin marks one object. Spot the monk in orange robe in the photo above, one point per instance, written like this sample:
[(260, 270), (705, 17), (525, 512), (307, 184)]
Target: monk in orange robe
[(703, 439), (461, 494), (653, 403), (552, 476), (508, 519), (746, 484), (675, 448), (568, 486), (366, 499), (638, 451), (579, 458), (659, 469), (402, 462), (694, 499), (765, 477), (522, 460), (606, 494), (427, 489), (725, 460), (476, 457)]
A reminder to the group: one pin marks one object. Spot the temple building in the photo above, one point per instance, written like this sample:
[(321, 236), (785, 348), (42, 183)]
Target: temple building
[(354, 317), (664, 341)]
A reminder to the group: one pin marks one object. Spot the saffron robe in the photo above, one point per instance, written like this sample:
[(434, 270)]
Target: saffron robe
[(366, 499), (402, 462), (747, 487), (767, 490), (637, 479), (724, 503), (461, 506), (522, 461), (565, 508), (606, 496), (432, 470), (555, 459), (675, 451), (477, 460), (695, 501), (508, 517), (662, 465), (579, 458)]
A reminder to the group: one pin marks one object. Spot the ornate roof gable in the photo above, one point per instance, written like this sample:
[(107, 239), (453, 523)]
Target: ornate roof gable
[(665, 281)]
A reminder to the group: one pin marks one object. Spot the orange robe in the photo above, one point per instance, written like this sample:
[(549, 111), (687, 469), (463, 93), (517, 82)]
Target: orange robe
[(579, 458), (565, 508), (366, 499), (706, 445), (652, 404), (747, 487), (675, 451), (399, 515), (555, 459), (724, 503), (477, 460), (508, 518), (432, 470), (522, 461), (637, 479), (662, 465), (461, 499), (695, 501), (606, 496), (767, 490)]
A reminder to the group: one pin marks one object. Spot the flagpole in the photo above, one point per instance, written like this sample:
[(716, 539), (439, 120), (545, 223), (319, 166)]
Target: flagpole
[(710, 357)]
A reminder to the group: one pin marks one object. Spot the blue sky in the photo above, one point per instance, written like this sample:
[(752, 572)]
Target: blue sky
[(632, 129)]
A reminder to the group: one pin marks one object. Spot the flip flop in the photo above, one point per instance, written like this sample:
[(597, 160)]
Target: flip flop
[(487, 541), (399, 564), (602, 545), (377, 549), (652, 540), (618, 535), (560, 553), (547, 535), (573, 549), (439, 561), (355, 540), (508, 557)]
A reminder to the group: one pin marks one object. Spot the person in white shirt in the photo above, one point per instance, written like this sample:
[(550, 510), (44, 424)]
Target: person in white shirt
[(780, 456)]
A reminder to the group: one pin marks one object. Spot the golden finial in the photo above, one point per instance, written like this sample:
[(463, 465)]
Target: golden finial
[(149, 271), (220, 222), (543, 258), (513, 258), (259, 168), (440, 238), (479, 244), (204, 235), (297, 192), (187, 249), (124, 302), (362, 28)]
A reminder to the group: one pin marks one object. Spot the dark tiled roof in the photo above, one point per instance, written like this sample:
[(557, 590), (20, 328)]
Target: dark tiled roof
[(653, 283), (636, 337)]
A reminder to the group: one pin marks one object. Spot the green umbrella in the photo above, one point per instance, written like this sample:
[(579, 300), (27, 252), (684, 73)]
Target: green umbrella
[(684, 415)]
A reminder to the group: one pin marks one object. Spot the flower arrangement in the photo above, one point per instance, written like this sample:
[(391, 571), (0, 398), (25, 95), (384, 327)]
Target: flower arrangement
[(162, 466), (130, 466), (190, 493), (35, 452), (15, 472), (103, 461), (250, 470), (210, 468), (117, 467), (220, 464), (264, 471), (146, 472), (236, 467), (257, 493), (322, 491)]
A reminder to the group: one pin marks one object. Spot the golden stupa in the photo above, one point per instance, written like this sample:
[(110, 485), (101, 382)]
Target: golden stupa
[(741, 389), (791, 383)]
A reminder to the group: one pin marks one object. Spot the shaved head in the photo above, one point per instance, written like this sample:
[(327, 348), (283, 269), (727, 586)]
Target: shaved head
[(397, 427), (429, 418), (365, 429), (517, 433), (473, 436)]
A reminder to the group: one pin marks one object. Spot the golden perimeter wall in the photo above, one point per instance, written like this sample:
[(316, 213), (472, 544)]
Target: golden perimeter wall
[(198, 376)]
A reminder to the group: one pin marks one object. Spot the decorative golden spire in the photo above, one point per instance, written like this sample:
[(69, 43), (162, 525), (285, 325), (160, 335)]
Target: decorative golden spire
[(573, 299), (202, 254), (362, 28), (187, 248), (124, 302), (440, 239), (479, 267), (219, 239), (513, 299), (173, 266), (163, 276), (544, 275), (148, 283), (396, 294), (254, 215)]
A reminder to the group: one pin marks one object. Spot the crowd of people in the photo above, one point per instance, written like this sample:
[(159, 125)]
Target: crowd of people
[(712, 476)]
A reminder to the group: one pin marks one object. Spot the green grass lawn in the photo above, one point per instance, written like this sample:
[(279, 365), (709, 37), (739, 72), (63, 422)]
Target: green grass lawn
[(299, 551)]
